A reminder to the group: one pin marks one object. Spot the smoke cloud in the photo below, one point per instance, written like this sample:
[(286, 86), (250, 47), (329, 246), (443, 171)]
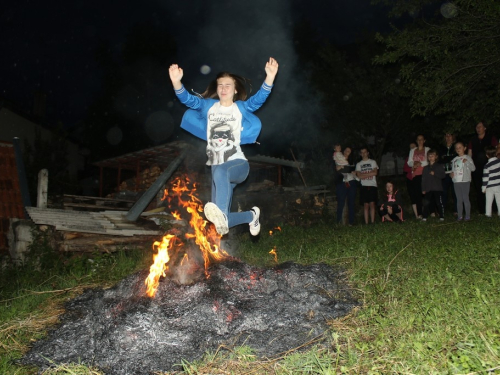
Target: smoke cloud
[(239, 37)]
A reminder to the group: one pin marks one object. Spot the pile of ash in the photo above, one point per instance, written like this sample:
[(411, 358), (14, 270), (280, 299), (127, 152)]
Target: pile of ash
[(122, 331)]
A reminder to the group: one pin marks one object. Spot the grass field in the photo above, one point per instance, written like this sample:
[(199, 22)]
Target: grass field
[(430, 296)]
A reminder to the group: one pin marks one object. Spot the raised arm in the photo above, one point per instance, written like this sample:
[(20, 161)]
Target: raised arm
[(271, 71), (175, 72)]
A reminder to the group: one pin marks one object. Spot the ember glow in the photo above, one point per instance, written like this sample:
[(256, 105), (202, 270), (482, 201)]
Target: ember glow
[(274, 252), (271, 232), (183, 196)]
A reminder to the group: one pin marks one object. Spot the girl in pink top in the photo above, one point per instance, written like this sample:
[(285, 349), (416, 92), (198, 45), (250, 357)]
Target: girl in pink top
[(417, 160)]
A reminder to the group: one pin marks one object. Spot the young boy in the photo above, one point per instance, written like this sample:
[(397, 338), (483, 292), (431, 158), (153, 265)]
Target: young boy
[(491, 180), (432, 186), (462, 167), (366, 171)]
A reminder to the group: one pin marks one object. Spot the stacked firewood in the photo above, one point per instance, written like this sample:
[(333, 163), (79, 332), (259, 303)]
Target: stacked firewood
[(149, 175)]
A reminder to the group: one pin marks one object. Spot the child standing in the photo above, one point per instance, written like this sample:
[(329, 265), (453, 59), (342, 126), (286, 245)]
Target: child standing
[(491, 180), (461, 170), (432, 186), (338, 157), (366, 171), (390, 209)]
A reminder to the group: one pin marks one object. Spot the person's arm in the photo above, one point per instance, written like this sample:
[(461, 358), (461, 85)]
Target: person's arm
[(471, 164), (425, 161), (176, 73), (271, 69), (469, 149), (486, 177), (410, 158), (439, 171), (256, 101)]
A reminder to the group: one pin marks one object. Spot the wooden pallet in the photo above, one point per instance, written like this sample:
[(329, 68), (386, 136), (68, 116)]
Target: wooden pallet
[(105, 222)]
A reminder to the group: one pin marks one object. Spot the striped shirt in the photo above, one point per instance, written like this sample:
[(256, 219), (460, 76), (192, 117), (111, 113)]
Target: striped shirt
[(491, 173)]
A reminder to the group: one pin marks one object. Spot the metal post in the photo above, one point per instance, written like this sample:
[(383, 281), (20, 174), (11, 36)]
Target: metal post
[(21, 172), (139, 206)]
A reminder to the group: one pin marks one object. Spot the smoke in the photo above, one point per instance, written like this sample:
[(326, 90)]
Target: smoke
[(239, 37)]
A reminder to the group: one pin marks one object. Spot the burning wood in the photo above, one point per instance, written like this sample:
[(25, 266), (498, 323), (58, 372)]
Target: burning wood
[(203, 298), (182, 194)]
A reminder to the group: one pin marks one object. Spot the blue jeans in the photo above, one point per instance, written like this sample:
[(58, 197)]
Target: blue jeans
[(224, 179), (346, 191)]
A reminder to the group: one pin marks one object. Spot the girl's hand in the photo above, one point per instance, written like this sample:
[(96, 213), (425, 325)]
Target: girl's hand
[(175, 72), (271, 70)]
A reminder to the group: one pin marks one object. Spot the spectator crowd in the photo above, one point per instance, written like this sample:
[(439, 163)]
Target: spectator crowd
[(432, 175)]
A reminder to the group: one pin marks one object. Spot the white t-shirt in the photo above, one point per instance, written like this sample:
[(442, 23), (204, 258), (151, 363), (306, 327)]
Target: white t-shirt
[(224, 134), (366, 166)]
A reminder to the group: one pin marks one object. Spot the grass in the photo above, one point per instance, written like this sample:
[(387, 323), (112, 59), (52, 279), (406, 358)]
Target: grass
[(430, 300)]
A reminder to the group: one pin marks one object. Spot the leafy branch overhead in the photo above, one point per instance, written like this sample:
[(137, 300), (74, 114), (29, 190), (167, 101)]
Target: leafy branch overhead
[(449, 58)]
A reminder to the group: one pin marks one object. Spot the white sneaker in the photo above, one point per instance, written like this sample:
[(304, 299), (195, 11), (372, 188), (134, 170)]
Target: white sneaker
[(217, 218), (255, 224)]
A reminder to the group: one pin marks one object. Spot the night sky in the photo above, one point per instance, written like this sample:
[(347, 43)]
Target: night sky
[(50, 46)]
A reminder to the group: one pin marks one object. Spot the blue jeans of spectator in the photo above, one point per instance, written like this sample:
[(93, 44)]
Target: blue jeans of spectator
[(346, 191), (224, 179)]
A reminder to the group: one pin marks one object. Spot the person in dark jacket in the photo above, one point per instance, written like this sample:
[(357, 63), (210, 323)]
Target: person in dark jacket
[(432, 186), (446, 154)]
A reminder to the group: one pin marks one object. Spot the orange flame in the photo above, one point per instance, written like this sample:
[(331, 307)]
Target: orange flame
[(185, 259), (159, 265), (206, 237), (275, 253)]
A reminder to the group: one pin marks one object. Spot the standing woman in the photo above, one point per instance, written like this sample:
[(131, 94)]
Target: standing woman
[(224, 118), (446, 154), (417, 160), (408, 172), (347, 188)]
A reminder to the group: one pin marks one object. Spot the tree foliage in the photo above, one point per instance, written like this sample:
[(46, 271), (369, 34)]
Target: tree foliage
[(449, 58), (364, 102)]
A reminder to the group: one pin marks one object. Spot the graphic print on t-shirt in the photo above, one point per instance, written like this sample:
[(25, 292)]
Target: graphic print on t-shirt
[(458, 170), (223, 134), (367, 166)]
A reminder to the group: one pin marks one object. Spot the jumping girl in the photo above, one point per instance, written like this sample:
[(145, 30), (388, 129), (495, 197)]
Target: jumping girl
[(224, 118)]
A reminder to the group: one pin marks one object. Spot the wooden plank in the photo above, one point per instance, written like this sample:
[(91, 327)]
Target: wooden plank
[(41, 219), (83, 197), (97, 207)]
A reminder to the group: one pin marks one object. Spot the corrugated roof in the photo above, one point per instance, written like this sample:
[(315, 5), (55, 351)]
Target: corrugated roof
[(161, 155)]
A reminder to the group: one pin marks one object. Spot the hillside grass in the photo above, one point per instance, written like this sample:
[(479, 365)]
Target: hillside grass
[(429, 293)]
